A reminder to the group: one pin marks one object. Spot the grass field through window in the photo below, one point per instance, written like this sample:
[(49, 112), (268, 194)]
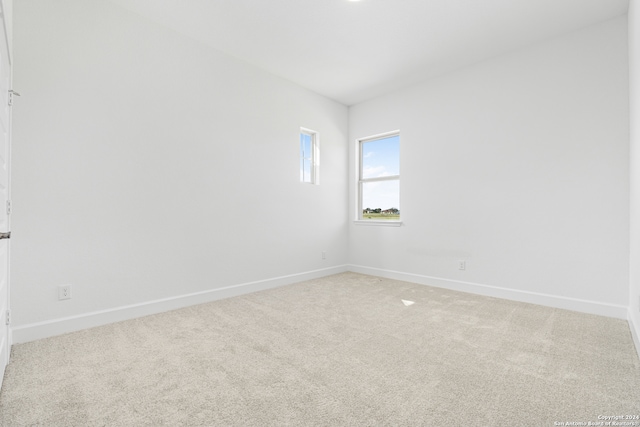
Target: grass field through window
[(380, 216)]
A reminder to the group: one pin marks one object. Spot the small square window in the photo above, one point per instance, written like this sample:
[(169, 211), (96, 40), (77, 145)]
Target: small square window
[(309, 156)]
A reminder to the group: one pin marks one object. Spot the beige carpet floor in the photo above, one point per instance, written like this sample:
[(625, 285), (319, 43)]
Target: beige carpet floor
[(339, 351)]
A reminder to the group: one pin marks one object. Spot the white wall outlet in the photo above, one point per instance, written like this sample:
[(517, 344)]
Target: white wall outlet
[(324, 255), (64, 292), (462, 264)]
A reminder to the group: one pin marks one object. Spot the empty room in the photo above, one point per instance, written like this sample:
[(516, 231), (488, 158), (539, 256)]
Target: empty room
[(331, 213)]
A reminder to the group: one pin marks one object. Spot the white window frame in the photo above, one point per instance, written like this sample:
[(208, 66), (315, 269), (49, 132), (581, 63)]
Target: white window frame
[(361, 181), (314, 158)]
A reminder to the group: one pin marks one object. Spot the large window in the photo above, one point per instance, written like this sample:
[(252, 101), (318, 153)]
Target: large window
[(379, 178), (309, 156)]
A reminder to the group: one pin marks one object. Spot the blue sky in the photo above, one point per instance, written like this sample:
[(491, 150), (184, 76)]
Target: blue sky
[(305, 165)]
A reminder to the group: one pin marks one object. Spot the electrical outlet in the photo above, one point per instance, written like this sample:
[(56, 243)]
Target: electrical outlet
[(462, 264), (64, 292), (324, 255)]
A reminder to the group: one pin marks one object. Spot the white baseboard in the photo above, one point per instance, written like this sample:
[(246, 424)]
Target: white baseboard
[(574, 304), (35, 331), (635, 330), (50, 328)]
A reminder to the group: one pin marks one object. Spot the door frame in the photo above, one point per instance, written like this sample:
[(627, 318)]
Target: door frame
[(6, 12)]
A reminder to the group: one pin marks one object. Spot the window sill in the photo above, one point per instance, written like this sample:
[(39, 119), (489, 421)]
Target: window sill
[(378, 223)]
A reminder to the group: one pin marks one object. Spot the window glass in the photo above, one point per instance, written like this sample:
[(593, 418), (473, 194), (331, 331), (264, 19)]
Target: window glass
[(306, 157), (381, 200), (379, 178), (309, 156), (381, 157)]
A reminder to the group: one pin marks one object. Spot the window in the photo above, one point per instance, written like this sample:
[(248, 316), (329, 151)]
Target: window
[(379, 178), (309, 156)]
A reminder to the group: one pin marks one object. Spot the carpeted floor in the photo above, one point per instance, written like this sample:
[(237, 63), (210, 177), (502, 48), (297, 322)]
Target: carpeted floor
[(339, 351)]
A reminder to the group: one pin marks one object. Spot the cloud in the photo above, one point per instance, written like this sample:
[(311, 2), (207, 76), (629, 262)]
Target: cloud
[(375, 172)]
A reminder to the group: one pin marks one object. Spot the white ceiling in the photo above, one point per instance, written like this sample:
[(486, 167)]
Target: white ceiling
[(354, 51)]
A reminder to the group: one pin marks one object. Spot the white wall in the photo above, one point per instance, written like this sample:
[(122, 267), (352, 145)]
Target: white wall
[(634, 113), (147, 166), (518, 165)]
